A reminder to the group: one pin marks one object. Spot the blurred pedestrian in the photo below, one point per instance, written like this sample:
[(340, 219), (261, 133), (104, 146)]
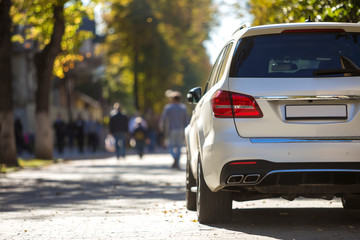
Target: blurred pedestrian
[(91, 130), (132, 122), (80, 132), (71, 134), (60, 133), (139, 134), (99, 133), (173, 121), (152, 120), (119, 125), (19, 138)]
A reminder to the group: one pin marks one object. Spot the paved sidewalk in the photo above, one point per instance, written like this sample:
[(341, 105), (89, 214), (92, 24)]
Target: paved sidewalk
[(96, 199), (107, 198), (74, 154)]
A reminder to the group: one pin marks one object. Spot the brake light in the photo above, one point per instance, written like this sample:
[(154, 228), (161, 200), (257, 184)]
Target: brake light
[(227, 104), (327, 30)]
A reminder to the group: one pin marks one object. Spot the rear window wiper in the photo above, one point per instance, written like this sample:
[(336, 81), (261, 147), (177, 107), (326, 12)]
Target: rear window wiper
[(353, 72)]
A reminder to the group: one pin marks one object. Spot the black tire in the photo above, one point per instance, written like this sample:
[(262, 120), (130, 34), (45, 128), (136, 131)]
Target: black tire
[(190, 182), (212, 207), (351, 202)]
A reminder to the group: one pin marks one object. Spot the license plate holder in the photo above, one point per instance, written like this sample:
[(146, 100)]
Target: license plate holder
[(316, 112)]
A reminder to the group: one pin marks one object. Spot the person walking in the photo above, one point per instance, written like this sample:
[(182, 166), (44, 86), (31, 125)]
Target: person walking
[(173, 121), (60, 133), (119, 129), (152, 120), (139, 134), (80, 132), (71, 134), (91, 129), (19, 138)]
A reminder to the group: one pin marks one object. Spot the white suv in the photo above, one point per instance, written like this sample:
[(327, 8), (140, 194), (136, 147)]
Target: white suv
[(278, 117)]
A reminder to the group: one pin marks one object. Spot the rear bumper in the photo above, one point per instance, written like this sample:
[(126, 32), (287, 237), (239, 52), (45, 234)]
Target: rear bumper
[(269, 173), (300, 179), (298, 160), (222, 145)]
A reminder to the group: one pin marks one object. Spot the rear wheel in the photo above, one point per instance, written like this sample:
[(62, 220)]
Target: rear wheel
[(351, 202), (212, 207), (190, 182)]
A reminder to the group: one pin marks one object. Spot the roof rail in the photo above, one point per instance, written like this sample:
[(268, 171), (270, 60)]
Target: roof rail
[(242, 26)]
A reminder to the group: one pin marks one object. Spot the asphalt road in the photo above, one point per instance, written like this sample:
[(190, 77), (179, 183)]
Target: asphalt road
[(145, 199)]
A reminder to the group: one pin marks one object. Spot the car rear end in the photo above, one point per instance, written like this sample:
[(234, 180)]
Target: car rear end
[(293, 92)]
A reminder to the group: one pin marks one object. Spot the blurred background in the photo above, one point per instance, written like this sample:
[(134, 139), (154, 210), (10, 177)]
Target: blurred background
[(70, 60)]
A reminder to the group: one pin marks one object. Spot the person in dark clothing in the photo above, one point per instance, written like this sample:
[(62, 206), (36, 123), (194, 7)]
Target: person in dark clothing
[(140, 136), (71, 134), (152, 120), (119, 129), (92, 126), (60, 133), (80, 132), (19, 138)]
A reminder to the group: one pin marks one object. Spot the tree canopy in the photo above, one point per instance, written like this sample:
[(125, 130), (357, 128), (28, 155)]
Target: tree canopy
[(153, 46), (53, 25), (37, 20), (286, 11)]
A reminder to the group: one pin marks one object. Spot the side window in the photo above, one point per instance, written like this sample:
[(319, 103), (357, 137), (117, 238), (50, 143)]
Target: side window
[(224, 62), (214, 71), (219, 66)]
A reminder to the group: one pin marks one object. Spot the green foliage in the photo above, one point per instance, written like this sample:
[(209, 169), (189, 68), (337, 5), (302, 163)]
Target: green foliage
[(265, 11), (160, 41), (268, 11), (37, 19)]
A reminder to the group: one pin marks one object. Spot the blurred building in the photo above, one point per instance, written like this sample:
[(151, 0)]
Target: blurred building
[(66, 97), (24, 80)]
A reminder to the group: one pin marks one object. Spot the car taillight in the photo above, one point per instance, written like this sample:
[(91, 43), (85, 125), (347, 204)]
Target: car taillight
[(227, 104), (319, 30)]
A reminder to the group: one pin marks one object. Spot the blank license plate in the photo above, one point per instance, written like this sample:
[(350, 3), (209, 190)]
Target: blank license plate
[(294, 112)]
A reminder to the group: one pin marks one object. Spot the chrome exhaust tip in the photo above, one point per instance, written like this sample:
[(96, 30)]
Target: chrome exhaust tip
[(235, 179), (252, 178)]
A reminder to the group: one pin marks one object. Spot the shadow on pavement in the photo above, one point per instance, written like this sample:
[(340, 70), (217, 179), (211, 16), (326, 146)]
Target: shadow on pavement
[(296, 223), (47, 193), (89, 180)]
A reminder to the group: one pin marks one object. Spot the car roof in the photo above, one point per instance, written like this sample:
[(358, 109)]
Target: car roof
[(246, 31)]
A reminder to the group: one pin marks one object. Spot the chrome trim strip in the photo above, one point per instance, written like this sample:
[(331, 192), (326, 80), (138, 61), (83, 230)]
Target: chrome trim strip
[(291, 171), (301, 140), (311, 170), (308, 98)]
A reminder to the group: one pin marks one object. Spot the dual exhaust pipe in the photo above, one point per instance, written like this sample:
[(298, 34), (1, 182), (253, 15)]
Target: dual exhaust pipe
[(243, 179)]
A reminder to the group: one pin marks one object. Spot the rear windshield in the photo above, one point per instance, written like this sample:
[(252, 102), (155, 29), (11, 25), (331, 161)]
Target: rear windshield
[(297, 55)]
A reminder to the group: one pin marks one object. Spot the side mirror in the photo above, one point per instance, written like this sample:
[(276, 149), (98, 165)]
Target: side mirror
[(194, 95)]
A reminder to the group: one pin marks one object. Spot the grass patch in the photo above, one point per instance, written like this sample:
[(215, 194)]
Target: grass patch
[(26, 163), (34, 163)]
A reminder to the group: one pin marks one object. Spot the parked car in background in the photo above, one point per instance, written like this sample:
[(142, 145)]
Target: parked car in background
[(278, 117)]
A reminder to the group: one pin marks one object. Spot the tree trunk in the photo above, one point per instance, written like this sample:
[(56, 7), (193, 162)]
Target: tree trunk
[(7, 139), (68, 90), (136, 69), (44, 62), (136, 80)]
